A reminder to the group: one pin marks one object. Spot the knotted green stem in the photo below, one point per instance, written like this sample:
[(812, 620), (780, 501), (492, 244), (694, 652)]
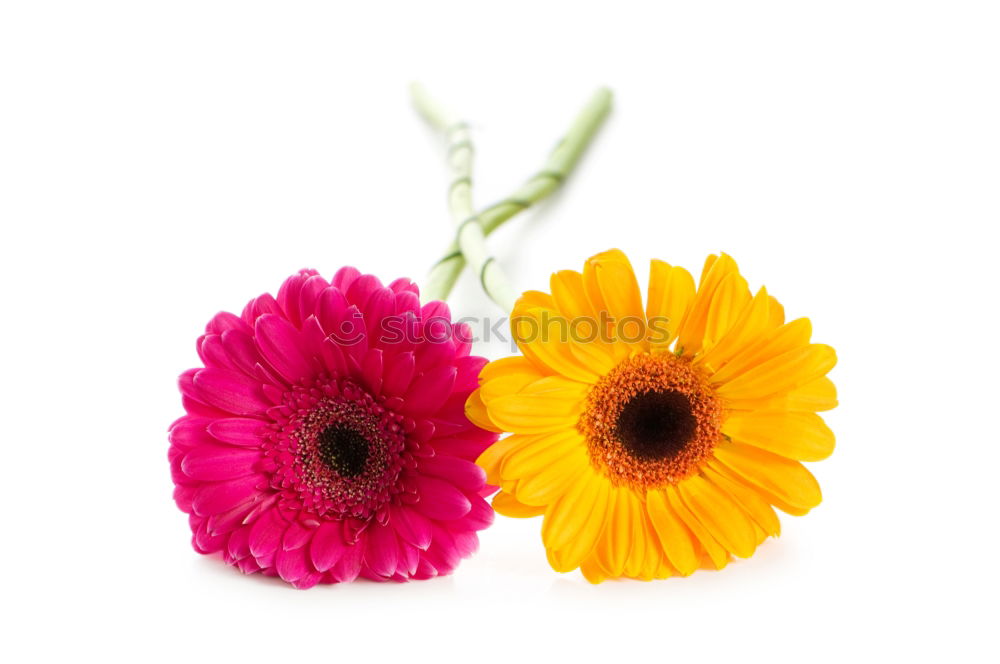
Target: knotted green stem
[(557, 168)]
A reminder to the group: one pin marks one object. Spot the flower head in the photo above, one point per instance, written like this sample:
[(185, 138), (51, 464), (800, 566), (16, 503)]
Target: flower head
[(655, 439), (325, 437)]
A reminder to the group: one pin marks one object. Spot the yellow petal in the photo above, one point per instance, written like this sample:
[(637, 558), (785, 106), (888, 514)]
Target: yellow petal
[(775, 476), (568, 515), (515, 364), (664, 570), (532, 298), (780, 374), (817, 395), (549, 404), (590, 352), (620, 291), (502, 386), (579, 547), (615, 543), (777, 313), (671, 291), (549, 484), (492, 457), (592, 571), (475, 410), (507, 505), (570, 323), (543, 335), (752, 323), (714, 551), (725, 521), (545, 451), (692, 332), (776, 341), (801, 436), (759, 510), (675, 538), (653, 557), (725, 471), (728, 302), (570, 295), (595, 295), (635, 562)]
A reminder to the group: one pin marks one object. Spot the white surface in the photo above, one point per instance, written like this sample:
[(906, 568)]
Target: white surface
[(161, 162)]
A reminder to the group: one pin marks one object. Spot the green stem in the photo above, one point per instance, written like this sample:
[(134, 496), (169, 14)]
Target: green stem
[(470, 238), (553, 173)]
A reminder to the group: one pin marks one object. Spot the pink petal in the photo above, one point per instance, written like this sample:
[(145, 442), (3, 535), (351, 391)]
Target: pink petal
[(218, 497), (429, 392), (309, 295), (349, 566), (380, 305), (330, 308), (188, 432), (442, 553), (265, 537), (424, 570), (435, 309), (408, 302), (450, 419), (343, 324), (197, 408), (239, 544), (468, 372), (213, 353), (434, 350), (480, 516), (230, 391), (219, 462), (297, 536), (291, 564), (371, 371), (225, 522), (409, 558), (318, 345), (184, 497), (462, 473), (289, 295), (466, 543), (440, 500), (399, 374), (344, 277), (361, 289), (223, 321), (265, 304), (462, 336), (281, 345), (382, 550), (411, 526), (466, 445), (404, 285), (327, 546), (249, 566), (241, 350), (203, 541), (241, 431), (308, 581)]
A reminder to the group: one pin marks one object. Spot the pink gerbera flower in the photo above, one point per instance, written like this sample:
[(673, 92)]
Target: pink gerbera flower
[(325, 437)]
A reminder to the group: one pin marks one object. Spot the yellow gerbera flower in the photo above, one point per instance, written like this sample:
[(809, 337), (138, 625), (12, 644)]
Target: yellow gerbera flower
[(654, 440)]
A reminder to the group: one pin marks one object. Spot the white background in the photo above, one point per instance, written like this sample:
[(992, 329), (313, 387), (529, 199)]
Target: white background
[(162, 161)]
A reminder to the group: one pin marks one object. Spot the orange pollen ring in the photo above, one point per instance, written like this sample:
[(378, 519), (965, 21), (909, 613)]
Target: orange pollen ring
[(652, 421)]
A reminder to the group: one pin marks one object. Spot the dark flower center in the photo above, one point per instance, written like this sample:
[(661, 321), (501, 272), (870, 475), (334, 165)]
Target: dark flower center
[(656, 425), (343, 450)]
